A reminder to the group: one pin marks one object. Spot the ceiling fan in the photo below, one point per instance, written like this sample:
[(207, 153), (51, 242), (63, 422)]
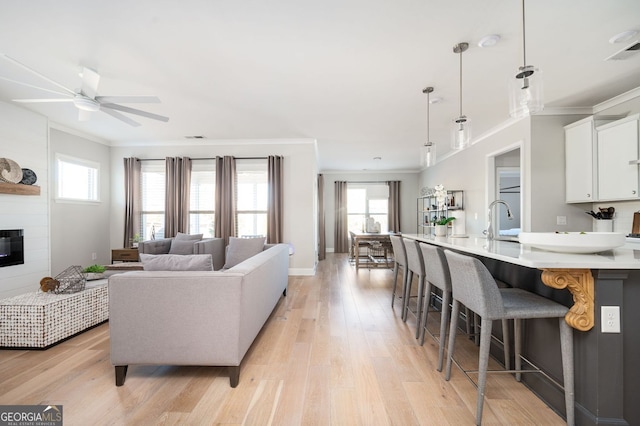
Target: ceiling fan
[(86, 99)]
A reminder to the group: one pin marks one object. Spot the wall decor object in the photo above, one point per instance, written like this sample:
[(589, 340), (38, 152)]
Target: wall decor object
[(10, 171), (28, 177)]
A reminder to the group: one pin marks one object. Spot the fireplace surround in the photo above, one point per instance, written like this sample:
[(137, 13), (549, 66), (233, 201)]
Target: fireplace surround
[(11, 247)]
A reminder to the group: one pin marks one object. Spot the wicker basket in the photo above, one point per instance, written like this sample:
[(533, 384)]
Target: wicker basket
[(72, 280)]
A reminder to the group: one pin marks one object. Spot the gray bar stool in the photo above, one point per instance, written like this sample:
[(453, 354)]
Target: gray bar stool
[(399, 261), (415, 265), (473, 285)]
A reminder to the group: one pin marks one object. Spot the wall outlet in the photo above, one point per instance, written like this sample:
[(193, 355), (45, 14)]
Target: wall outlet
[(561, 220), (610, 319), (94, 256)]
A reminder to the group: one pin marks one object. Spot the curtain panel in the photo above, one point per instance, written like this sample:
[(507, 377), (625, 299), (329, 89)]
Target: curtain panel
[(225, 209), (341, 237), (394, 205), (275, 207), (132, 171), (322, 243), (178, 185)]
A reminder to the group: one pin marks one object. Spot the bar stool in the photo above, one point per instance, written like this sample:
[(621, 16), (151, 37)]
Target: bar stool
[(473, 285), (399, 261), (415, 265)]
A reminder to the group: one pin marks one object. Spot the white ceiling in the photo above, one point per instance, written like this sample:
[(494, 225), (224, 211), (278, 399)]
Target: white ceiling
[(348, 73)]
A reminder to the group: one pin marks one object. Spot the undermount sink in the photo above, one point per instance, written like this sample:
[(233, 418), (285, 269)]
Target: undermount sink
[(572, 242)]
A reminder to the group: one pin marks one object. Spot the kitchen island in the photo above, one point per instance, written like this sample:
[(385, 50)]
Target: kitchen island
[(607, 374)]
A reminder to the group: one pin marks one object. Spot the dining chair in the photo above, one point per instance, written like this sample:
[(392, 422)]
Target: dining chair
[(473, 286), (399, 262)]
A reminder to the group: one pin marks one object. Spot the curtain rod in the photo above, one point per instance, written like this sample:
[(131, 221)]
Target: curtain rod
[(206, 158)]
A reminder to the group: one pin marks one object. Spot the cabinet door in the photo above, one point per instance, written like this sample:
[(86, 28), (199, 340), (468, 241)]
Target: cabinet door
[(617, 145), (579, 163)]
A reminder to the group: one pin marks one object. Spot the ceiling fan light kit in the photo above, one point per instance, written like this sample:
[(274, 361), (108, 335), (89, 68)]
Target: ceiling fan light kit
[(526, 89), (461, 127)]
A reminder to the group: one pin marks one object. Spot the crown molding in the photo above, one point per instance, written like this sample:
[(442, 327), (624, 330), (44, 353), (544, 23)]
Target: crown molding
[(617, 100)]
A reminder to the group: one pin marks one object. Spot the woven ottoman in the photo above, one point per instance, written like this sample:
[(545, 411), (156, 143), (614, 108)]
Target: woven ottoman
[(38, 320)]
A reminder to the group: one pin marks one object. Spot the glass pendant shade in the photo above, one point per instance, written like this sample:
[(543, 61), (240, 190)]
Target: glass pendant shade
[(525, 92), (460, 133), (428, 154)]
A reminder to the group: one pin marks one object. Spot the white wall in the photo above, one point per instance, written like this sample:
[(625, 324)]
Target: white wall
[(24, 139), (409, 192), (300, 187), (79, 230)]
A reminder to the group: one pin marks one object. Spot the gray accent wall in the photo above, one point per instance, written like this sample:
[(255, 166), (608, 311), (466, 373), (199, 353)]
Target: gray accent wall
[(80, 230)]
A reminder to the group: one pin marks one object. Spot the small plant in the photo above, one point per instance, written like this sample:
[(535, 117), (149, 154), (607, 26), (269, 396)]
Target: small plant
[(97, 269), (444, 220)]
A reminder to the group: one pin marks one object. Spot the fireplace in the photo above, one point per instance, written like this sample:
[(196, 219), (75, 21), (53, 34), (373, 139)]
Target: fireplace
[(11, 247)]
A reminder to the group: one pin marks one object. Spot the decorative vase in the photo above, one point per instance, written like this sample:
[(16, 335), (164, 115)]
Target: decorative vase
[(441, 230)]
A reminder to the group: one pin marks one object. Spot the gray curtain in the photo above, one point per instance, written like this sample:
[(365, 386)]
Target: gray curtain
[(341, 238), (394, 205), (322, 244), (176, 205), (132, 168), (275, 207), (225, 210)]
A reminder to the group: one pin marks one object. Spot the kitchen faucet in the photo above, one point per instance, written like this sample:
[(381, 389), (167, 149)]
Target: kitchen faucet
[(489, 231)]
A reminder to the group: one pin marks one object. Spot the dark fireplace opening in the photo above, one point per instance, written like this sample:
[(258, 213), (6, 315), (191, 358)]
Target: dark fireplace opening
[(11, 247)]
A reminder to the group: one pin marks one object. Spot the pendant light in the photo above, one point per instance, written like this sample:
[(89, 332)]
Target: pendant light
[(526, 88), (461, 130), (428, 151)]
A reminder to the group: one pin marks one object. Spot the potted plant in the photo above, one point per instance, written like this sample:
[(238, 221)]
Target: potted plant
[(135, 240), (442, 224), (94, 272)]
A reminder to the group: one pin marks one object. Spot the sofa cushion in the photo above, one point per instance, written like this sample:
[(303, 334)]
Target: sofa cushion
[(187, 237), (176, 262), (241, 249), (181, 247)]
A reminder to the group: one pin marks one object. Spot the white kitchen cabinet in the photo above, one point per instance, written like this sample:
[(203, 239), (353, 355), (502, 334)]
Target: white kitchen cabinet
[(580, 159), (618, 160)]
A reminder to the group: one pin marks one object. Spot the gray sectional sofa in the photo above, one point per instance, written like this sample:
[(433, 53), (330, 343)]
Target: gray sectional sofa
[(207, 318)]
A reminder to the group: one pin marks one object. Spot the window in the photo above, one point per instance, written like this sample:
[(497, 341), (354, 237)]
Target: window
[(202, 198), (252, 196), (77, 179), (152, 184), (367, 201)]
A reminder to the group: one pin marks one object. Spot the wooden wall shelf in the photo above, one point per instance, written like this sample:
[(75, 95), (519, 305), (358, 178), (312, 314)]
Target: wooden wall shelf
[(19, 189)]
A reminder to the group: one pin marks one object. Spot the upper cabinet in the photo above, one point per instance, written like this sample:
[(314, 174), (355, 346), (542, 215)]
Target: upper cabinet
[(618, 159), (581, 159)]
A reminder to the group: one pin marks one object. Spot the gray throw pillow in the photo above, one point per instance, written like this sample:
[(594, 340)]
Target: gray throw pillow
[(187, 237), (181, 247), (240, 249), (176, 262)]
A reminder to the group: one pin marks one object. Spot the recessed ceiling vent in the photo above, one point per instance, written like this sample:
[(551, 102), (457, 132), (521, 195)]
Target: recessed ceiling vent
[(630, 51), (195, 137)]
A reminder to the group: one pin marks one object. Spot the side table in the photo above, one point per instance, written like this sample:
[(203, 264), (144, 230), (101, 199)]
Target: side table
[(124, 255)]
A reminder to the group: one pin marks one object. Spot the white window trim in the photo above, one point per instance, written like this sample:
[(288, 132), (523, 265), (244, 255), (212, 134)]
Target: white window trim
[(81, 162)]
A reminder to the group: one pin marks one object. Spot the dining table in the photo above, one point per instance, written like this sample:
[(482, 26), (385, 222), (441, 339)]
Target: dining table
[(373, 241)]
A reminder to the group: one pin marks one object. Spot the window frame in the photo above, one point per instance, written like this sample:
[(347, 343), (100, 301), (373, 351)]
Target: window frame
[(82, 162)]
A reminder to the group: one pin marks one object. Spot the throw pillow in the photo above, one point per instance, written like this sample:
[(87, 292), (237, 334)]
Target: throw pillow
[(176, 262), (181, 247), (240, 249), (188, 237)]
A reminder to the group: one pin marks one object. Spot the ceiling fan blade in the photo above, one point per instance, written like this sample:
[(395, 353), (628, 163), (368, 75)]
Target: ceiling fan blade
[(119, 116), (34, 72), (33, 101), (128, 99), (32, 86), (135, 111), (90, 81)]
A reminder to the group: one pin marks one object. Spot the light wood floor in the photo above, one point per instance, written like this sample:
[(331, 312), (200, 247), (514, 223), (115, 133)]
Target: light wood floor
[(333, 352)]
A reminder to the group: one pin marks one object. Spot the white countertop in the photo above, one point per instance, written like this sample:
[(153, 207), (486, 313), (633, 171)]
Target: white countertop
[(625, 257)]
